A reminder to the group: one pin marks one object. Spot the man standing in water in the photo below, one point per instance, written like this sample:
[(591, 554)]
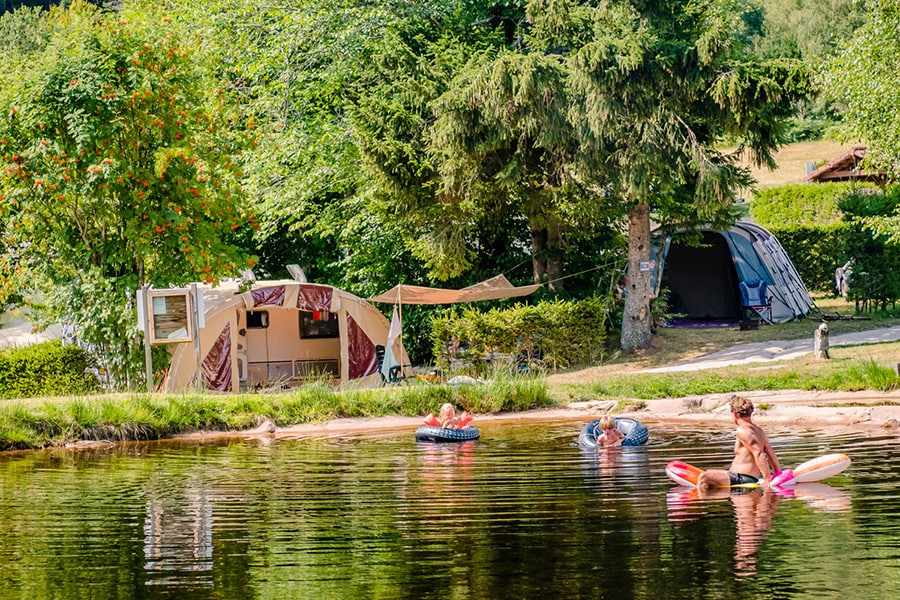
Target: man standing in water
[(753, 456)]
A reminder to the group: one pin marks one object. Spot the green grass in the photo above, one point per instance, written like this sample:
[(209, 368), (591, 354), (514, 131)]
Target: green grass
[(58, 421), (853, 371)]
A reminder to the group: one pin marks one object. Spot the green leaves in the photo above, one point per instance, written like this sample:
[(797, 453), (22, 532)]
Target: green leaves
[(123, 163)]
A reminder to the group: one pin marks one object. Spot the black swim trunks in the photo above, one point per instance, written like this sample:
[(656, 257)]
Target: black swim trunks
[(741, 478)]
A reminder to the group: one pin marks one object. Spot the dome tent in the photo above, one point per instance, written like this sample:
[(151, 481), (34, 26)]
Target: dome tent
[(703, 281)]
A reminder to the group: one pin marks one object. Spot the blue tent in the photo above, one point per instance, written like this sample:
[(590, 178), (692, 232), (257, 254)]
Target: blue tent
[(704, 281)]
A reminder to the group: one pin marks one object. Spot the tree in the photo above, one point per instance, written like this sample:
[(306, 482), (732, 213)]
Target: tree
[(469, 147), (120, 168), (616, 109), (809, 29), (296, 67), (865, 79)]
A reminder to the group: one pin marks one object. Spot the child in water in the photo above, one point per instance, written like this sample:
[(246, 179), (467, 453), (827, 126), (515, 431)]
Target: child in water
[(447, 417), (610, 436)]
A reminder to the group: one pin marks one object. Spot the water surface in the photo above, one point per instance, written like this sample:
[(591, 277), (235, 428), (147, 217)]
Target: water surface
[(521, 513)]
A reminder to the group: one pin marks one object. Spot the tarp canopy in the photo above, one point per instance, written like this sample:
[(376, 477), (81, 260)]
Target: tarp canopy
[(490, 289)]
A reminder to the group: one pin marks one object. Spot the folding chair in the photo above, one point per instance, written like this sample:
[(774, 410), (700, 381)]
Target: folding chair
[(395, 373), (755, 302)]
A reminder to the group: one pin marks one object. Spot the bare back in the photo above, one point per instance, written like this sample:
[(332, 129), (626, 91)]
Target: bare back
[(752, 453)]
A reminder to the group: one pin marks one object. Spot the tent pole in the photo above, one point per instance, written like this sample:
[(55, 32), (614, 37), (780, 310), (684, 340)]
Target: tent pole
[(400, 337)]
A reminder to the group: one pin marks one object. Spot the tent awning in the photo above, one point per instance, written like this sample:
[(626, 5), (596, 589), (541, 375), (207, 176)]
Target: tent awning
[(490, 289)]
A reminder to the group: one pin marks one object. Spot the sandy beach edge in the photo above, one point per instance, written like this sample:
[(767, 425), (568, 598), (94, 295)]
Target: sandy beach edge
[(867, 411)]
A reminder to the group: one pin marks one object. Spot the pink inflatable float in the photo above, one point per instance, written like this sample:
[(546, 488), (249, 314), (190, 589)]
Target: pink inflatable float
[(816, 469)]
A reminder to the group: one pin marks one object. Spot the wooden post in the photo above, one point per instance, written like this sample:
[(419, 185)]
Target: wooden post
[(820, 342)]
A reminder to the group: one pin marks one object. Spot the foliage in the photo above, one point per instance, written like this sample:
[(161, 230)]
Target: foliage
[(47, 369), (864, 78), (120, 168), (875, 279), (553, 334), (296, 66), (23, 31), (812, 31), (799, 204)]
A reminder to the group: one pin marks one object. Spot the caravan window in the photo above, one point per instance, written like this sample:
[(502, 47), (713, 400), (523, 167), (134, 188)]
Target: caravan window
[(318, 324), (257, 319)]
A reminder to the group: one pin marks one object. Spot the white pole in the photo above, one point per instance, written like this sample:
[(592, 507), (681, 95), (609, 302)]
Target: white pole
[(144, 325), (195, 329)]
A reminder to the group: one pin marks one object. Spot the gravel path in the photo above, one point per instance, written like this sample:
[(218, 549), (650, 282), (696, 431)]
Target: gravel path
[(777, 350)]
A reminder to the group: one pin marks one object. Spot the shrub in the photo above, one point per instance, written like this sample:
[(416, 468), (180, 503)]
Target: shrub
[(47, 369), (552, 333), (799, 204)]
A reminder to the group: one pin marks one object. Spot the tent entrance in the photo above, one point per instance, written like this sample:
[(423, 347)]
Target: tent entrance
[(702, 281), (285, 347)]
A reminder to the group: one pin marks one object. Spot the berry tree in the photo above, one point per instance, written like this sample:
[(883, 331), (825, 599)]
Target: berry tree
[(120, 167)]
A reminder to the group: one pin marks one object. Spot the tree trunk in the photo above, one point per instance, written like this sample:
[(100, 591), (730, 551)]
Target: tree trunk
[(554, 260), (636, 317), (538, 252)]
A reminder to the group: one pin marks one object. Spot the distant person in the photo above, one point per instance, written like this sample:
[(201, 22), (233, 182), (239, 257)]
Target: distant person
[(842, 279), (753, 455), (610, 436)]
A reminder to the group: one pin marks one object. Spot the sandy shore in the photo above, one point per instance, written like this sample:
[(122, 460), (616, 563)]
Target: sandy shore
[(857, 411)]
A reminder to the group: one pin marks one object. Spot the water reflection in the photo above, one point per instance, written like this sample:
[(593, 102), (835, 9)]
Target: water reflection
[(753, 512), (522, 512), (178, 536)]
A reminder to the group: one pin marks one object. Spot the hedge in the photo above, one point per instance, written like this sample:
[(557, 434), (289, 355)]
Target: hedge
[(819, 228), (46, 369), (552, 334), (800, 204)]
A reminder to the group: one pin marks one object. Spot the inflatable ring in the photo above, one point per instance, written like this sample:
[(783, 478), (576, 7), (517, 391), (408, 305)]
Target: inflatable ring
[(429, 433), (636, 433)]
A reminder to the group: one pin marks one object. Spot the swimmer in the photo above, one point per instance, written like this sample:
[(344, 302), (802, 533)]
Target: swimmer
[(610, 436)]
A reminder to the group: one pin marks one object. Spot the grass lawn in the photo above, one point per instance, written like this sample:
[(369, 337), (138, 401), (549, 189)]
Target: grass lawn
[(869, 366)]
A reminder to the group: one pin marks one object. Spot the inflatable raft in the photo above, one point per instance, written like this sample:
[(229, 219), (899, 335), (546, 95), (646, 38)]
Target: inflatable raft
[(430, 433), (812, 470), (636, 433)]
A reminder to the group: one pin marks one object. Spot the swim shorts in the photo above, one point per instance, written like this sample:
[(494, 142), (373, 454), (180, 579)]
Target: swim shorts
[(741, 478)]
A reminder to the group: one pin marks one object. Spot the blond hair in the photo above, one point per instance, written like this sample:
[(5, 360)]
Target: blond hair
[(741, 405), (607, 423)]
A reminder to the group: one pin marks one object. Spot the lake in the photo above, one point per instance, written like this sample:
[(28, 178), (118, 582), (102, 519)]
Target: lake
[(521, 513)]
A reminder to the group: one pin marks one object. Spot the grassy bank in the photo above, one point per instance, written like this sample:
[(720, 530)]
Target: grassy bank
[(850, 369), (57, 421), (53, 422)]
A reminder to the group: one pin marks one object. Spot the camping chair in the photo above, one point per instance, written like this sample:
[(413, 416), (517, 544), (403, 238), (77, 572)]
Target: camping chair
[(755, 302), (395, 373)]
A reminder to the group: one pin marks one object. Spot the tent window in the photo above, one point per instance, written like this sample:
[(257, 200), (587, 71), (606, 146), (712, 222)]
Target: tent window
[(318, 324), (257, 319)]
